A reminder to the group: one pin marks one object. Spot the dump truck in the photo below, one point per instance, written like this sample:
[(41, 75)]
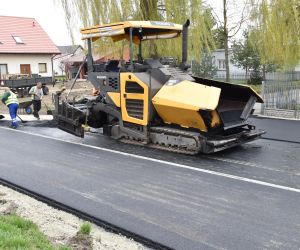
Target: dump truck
[(145, 102)]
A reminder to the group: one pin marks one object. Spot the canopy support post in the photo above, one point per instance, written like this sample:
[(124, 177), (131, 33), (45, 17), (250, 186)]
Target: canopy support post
[(131, 49), (140, 57), (89, 56)]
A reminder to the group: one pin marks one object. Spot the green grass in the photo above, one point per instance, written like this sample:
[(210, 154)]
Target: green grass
[(17, 233), (85, 228), (60, 78), (238, 81)]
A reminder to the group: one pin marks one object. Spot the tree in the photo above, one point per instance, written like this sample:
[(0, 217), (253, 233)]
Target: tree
[(218, 36), (206, 68), (234, 15), (62, 66), (94, 12), (246, 55), (278, 30)]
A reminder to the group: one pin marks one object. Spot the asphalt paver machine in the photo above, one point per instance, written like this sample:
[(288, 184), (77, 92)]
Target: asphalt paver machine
[(145, 102)]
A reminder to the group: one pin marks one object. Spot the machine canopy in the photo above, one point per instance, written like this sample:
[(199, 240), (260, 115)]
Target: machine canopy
[(142, 30)]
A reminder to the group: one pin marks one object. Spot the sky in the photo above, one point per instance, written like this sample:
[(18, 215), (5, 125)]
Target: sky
[(50, 16), (47, 13)]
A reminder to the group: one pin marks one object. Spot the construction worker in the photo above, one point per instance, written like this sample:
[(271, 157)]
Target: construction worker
[(11, 101), (37, 95)]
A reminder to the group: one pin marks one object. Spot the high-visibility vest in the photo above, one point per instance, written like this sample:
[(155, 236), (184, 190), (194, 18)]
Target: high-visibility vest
[(32, 90), (11, 99)]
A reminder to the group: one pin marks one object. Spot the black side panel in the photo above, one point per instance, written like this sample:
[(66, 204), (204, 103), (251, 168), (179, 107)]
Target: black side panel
[(70, 117), (71, 128), (105, 81), (230, 111), (235, 104), (235, 91)]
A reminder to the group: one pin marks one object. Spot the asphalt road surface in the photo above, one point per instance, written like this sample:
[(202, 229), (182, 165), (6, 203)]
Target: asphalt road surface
[(278, 129), (244, 198)]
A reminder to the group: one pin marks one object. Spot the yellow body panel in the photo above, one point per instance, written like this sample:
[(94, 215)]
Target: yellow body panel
[(124, 77), (115, 96), (188, 95), (180, 103), (184, 117)]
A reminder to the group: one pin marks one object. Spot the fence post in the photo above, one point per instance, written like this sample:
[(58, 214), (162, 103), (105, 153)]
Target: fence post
[(297, 93), (262, 109)]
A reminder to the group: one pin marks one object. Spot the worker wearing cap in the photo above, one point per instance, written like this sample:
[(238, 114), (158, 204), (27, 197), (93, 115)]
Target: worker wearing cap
[(11, 101), (37, 96)]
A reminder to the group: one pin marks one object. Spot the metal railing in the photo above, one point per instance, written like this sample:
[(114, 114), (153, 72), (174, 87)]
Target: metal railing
[(281, 98), (221, 75)]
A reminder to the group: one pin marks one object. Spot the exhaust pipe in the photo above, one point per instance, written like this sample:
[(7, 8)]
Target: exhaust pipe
[(186, 25)]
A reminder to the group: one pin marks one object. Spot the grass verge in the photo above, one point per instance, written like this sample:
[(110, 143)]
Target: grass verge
[(18, 233)]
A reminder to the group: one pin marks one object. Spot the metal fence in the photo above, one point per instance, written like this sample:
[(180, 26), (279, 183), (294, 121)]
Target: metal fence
[(281, 97), (280, 91), (270, 76), (221, 75), (289, 76)]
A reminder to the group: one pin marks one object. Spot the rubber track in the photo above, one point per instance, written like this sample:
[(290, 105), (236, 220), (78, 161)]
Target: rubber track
[(164, 147), (177, 132), (84, 216)]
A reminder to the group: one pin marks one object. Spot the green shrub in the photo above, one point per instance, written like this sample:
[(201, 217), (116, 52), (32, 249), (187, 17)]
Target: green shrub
[(85, 228), (255, 78)]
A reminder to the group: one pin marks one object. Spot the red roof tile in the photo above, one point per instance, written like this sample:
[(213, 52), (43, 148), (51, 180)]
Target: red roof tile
[(35, 39)]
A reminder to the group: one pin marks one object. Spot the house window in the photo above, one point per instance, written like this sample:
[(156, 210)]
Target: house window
[(221, 64), (18, 39), (42, 67), (3, 70)]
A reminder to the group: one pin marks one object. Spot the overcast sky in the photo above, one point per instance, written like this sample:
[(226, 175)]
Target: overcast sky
[(51, 16)]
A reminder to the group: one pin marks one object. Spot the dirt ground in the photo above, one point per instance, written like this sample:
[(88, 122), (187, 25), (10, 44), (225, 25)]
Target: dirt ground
[(61, 227), (80, 89)]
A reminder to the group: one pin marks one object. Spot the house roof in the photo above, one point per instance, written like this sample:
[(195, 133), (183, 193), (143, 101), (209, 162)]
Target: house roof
[(33, 37), (75, 59), (70, 49), (80, 57)]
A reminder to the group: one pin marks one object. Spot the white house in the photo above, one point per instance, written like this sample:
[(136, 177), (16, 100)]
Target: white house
[(66, 53), (219, 57), (25, 48)]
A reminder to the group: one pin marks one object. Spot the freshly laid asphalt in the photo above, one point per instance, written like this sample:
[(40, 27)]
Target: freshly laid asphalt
[(278, 129), (244, 198)]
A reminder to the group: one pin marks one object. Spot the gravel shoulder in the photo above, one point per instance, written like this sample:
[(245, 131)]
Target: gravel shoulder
[(60, 227)]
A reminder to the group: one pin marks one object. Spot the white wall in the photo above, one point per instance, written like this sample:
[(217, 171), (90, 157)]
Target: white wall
[(219, 54), (56, 64), (297, 67), (13, 62), (61, 58)]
